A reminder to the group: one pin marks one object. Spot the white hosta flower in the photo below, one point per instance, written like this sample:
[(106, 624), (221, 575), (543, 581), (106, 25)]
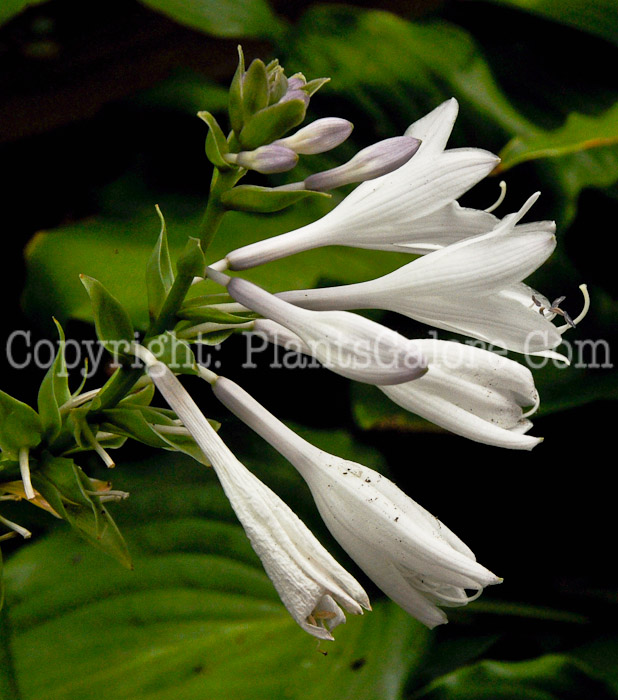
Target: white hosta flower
[(472, 392), (472, 287), (345, 343), (265, 159), (411, 556), (411, 209), (309, 581), (469, 391)]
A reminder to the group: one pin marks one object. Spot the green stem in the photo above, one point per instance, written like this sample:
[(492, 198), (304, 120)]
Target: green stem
[(222, 181), (125, 377)]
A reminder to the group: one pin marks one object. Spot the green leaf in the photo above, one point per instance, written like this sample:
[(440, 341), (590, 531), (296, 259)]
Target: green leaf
[(10, 8), (579, 133), (207, 314), (113, 325), (64, 486), (159, 273), (550, 677), (191, 262), (252, 198), (225, 18), (54, 391), (131, 423), (197, 618), (599, 17), (20, 426), (216, 143), (272, 123)]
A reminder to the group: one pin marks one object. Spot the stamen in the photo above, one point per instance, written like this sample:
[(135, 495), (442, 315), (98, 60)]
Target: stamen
[(16, 528), (500, 199), (94, 443), (24, 468), (571, 323)]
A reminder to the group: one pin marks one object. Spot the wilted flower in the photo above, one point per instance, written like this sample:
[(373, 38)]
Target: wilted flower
[(411, 209), (309, 581), (410, 555)]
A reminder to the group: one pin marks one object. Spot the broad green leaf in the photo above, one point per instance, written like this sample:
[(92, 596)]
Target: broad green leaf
[(10, 8), (159, 273), (599, 17), (579, 133), (600, 655), (197, 618), (191, 262), (114, 327), (20, 426), (550, 677), (225, 18), (54, 392)]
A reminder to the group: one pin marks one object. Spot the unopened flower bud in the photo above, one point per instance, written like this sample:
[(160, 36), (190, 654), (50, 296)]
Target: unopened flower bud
[(296, 81), (265, 159), (376, 160), (319, 136), (295, 95)]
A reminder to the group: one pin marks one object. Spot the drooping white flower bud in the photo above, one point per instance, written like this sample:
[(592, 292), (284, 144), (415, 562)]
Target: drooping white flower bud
[(309, 581), (268, 159), (347, 344), (319, 136), (415, 559), (372, 162)]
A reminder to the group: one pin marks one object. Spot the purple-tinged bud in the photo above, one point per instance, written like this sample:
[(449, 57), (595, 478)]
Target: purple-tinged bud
[(319, 136), (376, 160), (265, 159), (295, 95), (296, 81)]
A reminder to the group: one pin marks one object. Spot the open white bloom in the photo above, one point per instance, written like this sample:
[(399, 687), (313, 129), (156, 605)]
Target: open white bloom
[(472, 392), (472, 287), (345, 343), (467, 390), (309, 581), (411, 209), (411, 556)]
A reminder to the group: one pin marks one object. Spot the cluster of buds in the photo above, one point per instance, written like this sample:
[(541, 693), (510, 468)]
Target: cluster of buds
[(264, 105)]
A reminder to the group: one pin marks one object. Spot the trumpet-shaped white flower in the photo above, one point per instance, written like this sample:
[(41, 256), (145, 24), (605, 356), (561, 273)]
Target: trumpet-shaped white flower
[(472, 287), (469, 391), (345, 343), (410, 555), (309, 581), (411, 209), (472, 392)]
